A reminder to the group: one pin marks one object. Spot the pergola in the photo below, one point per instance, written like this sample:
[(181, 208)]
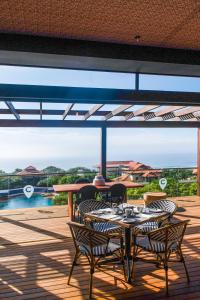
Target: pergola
[(165, 109), (127, 36)]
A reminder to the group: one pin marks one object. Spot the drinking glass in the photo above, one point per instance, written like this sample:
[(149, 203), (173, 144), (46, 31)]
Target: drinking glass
[(128, 212)]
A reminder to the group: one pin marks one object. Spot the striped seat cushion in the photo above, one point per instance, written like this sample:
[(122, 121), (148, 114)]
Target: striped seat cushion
[(155, 246), (101, 250), (146, 227), (106, 227)]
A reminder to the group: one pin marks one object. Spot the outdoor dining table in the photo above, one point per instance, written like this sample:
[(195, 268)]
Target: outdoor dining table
[(70, 189), (108, 215)]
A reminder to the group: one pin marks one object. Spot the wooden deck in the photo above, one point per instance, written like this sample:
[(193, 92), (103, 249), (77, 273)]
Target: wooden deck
[(36, 252)]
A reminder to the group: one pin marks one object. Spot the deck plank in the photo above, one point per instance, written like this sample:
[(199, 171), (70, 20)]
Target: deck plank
[(36, 251)]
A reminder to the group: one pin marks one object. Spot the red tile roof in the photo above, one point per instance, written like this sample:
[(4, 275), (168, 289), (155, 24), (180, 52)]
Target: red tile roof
[(30, 170), (130, 164)]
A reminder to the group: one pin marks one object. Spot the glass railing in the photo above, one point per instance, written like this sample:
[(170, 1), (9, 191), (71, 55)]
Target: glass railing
[(20, 191), (179, 182), (24, 191)]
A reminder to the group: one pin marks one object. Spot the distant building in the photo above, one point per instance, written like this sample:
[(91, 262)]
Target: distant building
[(144, 175), (30, 170), (131, 170)]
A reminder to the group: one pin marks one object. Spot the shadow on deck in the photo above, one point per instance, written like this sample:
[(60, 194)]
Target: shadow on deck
[(36, 251)]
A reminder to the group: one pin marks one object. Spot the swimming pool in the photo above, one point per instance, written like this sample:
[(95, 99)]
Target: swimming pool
[(23, 202)]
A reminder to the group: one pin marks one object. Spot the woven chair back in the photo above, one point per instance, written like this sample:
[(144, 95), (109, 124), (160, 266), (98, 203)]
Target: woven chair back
[(87, 237), (90, 205), (170, 234), (117, 193), (165, 205), (88, 192)]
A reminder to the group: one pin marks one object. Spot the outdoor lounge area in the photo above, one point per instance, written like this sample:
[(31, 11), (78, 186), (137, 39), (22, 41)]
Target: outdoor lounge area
[(37, 251), (128, 67)]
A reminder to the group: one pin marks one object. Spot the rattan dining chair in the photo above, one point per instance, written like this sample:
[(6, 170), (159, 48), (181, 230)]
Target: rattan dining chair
[(95, 246), (162, 242), (106, 227), (85, 193), (165, 205), (116, 194)]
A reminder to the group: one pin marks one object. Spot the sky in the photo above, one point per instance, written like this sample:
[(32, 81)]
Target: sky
[(70, 147)]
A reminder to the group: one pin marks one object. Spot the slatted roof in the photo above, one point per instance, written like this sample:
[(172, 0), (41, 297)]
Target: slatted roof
[(26, 106)]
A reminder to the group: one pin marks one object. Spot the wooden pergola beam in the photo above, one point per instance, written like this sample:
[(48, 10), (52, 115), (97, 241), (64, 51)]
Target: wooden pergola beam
[(182, 114), (68, 108), (167, 110), (141, 111), (117, 111), (186, 111), (177, 111), (92, 111), (12, 109)]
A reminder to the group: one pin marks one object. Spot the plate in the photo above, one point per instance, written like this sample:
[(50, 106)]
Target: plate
[(155, 210), (129, 220)]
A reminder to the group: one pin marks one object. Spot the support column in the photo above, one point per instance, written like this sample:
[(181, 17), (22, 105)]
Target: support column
[(137, 87), (103, 151), (198, 162)]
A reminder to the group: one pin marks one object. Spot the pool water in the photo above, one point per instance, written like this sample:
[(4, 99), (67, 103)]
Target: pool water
[(23, 202)]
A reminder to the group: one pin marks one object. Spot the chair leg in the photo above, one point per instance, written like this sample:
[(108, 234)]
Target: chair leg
[(166, 279), (91, 282), (72, 268), (186, 270), (158, 264), (133, 268), (184, 264)]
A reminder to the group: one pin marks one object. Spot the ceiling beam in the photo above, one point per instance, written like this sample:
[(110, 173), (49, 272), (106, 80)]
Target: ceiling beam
[(167, 110), (187, 117), (182, 114), (92, 111), (117, 111), (97, 124), (27, 50), (68, 108), (58, 94), (186, 111), (196, 114), (165, 113), (140, 111), (12, 109)]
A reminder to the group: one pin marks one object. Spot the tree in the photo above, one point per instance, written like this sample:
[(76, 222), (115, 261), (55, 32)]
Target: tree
[(77, 170), (17, 170), (52, 169)]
